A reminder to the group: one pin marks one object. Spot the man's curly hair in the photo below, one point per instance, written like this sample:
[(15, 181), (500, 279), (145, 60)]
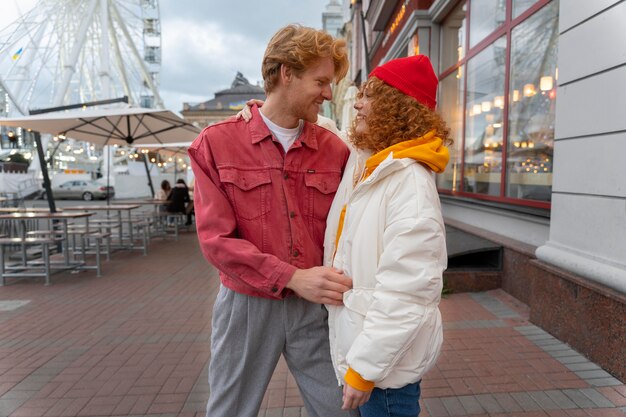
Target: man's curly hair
[(395, 117)]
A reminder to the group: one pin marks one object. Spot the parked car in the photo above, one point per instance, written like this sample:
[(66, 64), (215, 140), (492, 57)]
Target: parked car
[(82, 189)]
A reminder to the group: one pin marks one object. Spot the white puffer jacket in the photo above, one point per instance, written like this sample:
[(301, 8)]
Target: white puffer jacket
[(393, 247)]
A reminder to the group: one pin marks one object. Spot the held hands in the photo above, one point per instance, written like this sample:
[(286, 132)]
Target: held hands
[(245, 113), (353, 398), (321, 285)]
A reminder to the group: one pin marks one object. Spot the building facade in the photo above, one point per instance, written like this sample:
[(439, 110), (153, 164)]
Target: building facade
[(534, 92), (226, 103)]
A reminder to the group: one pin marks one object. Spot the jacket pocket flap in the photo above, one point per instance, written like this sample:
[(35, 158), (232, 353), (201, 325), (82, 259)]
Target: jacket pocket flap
[(322, 182), (245, 180)]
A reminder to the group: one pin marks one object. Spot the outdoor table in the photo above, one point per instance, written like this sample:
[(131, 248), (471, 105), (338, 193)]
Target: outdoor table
[(120, 209), (25, 209), (23, 217), (161, 217)]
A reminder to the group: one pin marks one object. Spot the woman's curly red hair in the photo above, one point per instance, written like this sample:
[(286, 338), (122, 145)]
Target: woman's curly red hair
[(395, 117)]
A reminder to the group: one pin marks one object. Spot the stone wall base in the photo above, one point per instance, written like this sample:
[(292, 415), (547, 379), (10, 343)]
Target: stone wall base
[(472, 281), (588, 316)]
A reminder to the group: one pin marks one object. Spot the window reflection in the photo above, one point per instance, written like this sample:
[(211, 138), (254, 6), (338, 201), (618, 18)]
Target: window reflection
[(520, 6), (483, 120), (532, 100), (451, 109), (486, 16), (453, 37)]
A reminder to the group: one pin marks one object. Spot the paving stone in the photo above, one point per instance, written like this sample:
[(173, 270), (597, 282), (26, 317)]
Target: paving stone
[(573, 359), (597, 398), (604, 382), (560, 399), (531, 330), (595, 374), (435, 407), (582, 366), (508, 403), (542, 336), (564, 353), (525, 401), (489, 403), (274, 412), (551, 341), (16, 394), (453, 406), (543, 400), (292, 412), (556, 347), (8, 406), (581, 400), (471, 404)]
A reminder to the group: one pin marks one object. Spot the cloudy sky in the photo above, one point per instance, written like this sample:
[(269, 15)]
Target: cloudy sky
[(205, 42)]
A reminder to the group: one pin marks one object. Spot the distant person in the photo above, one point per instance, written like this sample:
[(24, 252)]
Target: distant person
[(164, 192), (178, 199), (262, 193), (385, 230), (190, 206)]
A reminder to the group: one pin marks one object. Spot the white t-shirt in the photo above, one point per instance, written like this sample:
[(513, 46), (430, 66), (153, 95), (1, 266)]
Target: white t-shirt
[(286, 137)]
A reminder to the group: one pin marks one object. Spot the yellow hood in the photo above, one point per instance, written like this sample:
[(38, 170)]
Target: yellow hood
[(428, 150)]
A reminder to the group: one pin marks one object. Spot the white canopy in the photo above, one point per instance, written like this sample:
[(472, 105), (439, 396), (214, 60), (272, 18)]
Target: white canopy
[(129, 126)]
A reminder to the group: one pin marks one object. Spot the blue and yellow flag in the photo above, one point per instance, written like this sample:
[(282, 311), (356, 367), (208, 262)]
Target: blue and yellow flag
[(17, 54)]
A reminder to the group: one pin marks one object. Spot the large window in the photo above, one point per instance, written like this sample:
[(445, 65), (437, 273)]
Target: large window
[(497, 93), (486, 15), (532, 94), (483, 120), (451, 109)]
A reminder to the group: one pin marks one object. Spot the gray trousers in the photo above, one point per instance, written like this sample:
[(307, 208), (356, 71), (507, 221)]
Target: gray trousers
[(249, 334)]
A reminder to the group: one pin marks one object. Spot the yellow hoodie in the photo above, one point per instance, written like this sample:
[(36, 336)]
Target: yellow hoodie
[(428, 150)]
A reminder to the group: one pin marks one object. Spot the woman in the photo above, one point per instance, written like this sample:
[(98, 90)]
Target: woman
[(385, 231), (164, 191), (178, 199)]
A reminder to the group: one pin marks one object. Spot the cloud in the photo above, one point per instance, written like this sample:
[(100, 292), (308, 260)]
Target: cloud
[(206, 42), (204, 58)]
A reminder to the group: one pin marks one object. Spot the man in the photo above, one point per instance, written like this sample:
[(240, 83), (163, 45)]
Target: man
[(263, 191)]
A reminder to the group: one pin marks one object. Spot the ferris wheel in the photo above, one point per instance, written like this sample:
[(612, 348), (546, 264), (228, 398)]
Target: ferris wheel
[(65, 52)]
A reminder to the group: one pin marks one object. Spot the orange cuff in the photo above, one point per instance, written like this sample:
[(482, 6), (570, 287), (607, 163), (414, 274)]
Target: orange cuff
[(356, 381)]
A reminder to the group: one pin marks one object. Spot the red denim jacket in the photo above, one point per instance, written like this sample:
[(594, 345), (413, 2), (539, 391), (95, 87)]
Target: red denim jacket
[(261, 213)]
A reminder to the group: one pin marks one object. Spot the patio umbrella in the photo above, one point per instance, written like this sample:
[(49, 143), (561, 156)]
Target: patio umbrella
[(127, 126), (170, 151)]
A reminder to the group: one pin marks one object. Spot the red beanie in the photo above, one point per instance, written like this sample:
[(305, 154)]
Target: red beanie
[(414, 76)]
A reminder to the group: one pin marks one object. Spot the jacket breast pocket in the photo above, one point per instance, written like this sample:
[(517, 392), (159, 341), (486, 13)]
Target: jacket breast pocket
[(321, 188), (249, 191)]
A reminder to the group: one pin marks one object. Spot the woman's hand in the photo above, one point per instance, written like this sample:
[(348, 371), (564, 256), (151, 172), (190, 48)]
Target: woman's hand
[(353, 398), (245, 113)]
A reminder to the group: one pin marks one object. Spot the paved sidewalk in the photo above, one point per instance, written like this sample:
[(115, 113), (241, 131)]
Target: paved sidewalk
[(136, 343)]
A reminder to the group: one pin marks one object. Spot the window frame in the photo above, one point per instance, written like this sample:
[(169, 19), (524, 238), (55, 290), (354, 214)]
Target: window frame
[(505, 29)]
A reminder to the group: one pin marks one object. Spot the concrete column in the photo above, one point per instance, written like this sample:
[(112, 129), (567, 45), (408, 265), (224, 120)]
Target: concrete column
[(588, 219)]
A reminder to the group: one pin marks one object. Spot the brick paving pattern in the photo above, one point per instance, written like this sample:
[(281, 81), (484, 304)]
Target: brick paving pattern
[(135, 342)]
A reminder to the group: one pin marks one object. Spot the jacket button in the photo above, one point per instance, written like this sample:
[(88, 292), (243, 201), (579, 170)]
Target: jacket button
[(274, 289), (292, 214), (286, 175), (296, 253)]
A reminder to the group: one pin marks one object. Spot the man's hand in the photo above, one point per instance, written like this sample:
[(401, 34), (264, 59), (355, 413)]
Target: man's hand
[(353, 398), (320, 285), (245, 113)]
